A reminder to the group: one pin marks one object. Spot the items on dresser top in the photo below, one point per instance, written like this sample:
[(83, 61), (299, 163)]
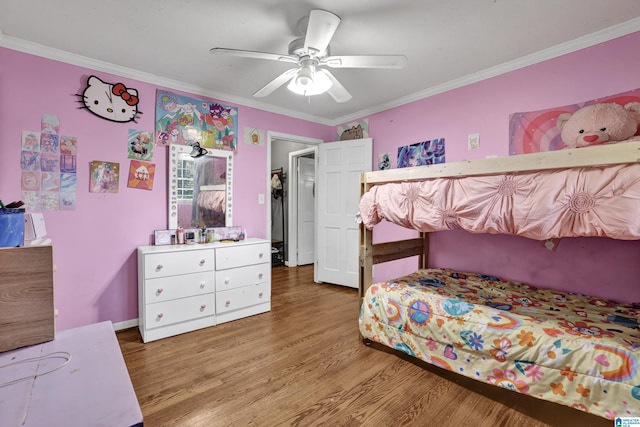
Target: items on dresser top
[(11, 227), (198, 235), (182, 288)]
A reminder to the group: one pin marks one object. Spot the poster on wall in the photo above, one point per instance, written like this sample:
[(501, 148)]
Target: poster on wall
[(422, 153), (50, 124), (384, 161), (48, 167), (141, 175), (184, 120), (354, 130), (140, 145), (253, 136), (105, 177), (536, 131)]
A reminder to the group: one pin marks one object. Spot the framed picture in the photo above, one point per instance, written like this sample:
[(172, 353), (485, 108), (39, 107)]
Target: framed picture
[(162, 237), (191, 235)]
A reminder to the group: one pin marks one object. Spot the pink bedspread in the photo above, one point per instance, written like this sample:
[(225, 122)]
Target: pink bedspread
[(589, 201), (212, 200)]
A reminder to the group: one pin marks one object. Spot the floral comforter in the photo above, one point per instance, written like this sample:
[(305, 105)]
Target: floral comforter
[(572, 349)]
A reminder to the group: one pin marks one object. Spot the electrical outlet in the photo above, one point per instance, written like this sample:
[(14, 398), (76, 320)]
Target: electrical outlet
[(473, 141)]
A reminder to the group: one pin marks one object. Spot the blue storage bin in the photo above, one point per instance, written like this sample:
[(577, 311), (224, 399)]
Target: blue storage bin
[(11, 228)]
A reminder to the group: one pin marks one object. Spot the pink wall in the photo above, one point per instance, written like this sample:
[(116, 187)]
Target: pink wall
[(95, 245), (598, 266)]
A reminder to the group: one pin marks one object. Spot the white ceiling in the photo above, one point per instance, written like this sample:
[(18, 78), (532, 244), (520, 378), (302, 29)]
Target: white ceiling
[(448, 42)]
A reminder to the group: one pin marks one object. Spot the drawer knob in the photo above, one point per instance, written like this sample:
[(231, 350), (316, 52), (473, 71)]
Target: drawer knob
[(226, 280), (159, 291), (159, 267), (260, 255), (260, 294), (260, 275), (203, 306), (160, 315), (202, 261), (227, 302), (202, 284)]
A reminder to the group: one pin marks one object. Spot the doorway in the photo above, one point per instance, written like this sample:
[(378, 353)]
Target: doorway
[(282, 209), (339, 167), (302, 207)]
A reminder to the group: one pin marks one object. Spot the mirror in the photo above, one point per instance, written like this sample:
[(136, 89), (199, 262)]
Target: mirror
[(200, 189)]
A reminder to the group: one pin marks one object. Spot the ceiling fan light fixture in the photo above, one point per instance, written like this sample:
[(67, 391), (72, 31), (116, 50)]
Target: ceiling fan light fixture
[(311, 51), (309, 83), (305, 77)]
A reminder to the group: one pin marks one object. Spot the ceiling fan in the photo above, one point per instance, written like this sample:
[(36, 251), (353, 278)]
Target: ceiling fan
[(311, 54)]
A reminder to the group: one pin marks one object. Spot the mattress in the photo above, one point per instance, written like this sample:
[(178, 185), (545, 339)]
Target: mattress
[(586, 201), (568, 348)]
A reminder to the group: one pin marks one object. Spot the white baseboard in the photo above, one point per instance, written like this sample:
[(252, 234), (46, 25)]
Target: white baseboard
[(125, 325)]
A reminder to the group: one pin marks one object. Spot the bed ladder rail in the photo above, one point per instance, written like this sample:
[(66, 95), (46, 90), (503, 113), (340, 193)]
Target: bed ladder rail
[(371, 254), (390, 251)]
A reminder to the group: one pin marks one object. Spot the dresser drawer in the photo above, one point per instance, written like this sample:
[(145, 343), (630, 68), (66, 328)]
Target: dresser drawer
[(167, 288), (175, 311), (242, 276), (241, 255), (176, 263), (246, 296)]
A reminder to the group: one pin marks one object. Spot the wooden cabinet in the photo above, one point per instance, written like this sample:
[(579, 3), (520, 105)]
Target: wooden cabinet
[(26, 296), (182, 288)]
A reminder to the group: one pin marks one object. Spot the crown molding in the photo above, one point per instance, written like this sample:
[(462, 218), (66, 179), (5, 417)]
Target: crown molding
[(589, 40), (36, 49)]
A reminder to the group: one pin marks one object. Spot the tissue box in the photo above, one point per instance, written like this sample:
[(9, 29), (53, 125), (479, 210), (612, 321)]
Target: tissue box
[(11, 228), (225, 233), (34, 228)]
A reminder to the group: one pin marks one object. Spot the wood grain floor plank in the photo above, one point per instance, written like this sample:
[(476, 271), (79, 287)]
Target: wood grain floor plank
[(304, 364)]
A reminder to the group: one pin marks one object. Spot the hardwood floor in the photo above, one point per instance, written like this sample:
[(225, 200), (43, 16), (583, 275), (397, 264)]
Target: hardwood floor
[(304, 364)]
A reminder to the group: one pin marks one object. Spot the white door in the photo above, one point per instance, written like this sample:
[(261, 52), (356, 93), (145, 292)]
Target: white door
[(306, 210), (338, 186)]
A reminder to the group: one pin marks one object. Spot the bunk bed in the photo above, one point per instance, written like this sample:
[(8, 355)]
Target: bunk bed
[(572, 349)]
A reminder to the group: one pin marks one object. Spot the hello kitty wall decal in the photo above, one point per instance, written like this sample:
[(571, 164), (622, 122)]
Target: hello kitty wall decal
[(111, 101)]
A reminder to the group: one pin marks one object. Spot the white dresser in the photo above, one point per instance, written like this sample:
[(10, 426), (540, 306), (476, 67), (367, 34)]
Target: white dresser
[(182, 288)]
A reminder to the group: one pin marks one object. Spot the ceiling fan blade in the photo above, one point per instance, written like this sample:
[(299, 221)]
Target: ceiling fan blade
[(253, 54), (276, 83), (322, 26), (366, 61), (337, 91)]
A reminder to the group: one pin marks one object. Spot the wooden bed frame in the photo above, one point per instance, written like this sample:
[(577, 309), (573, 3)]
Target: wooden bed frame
[(371, 254)]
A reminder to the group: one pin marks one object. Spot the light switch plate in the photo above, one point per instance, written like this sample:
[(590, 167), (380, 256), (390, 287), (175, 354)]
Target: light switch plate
[(473, 141), (261, 199)]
